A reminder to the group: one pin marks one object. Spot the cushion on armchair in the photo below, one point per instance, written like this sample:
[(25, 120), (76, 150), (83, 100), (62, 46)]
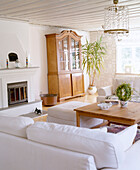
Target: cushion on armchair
[(107, 149)]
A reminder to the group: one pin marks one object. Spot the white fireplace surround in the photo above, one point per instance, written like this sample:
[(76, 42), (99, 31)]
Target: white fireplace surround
[(13, 76)]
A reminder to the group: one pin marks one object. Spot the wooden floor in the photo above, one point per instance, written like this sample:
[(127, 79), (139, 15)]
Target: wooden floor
[(86, 98)]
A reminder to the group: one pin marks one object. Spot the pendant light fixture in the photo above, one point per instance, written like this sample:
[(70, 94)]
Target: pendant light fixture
[(116, 20)]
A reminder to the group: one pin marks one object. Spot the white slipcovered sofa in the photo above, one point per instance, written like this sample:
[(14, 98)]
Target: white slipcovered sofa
[(49, 146), (108, 91)]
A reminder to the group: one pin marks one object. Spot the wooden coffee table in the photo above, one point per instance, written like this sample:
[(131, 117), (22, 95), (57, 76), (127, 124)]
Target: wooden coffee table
[(124, 116)]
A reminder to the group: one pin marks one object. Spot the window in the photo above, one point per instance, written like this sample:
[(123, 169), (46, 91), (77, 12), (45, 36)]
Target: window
[(128, 58)]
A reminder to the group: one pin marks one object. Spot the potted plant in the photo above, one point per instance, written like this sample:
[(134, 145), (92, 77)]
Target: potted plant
[(124, 92), (93, 59)]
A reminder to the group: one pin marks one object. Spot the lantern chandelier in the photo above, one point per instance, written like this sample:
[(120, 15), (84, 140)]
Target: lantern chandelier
[(116, 20)]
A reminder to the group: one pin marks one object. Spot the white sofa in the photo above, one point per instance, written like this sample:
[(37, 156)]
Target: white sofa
[(48, 146), (107, 91)]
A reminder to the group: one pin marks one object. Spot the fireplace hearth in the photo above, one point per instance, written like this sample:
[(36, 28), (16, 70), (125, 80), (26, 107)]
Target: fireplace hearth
[(17, 93)]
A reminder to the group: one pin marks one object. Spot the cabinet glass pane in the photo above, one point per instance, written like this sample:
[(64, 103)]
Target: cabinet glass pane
[(77, 45), (63, 54), (72, 44), (77, 60), (64, 65), (60, 45), (78, 65), (75, 54), (65, 44), (64, 60)]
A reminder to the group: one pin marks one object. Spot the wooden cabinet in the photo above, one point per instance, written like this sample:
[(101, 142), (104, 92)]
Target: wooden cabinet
[(65, 75)]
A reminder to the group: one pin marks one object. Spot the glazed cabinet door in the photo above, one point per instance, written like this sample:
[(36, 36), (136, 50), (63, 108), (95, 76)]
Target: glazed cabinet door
[(75, 55), (63, 51), (77, 83), (65, 89)]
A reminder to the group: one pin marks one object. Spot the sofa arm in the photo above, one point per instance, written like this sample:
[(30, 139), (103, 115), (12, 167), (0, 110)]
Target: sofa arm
[(132, 159), (105, 91)]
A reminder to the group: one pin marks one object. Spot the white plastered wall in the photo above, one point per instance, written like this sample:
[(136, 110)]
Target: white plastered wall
[(14, 38), (108, 71)]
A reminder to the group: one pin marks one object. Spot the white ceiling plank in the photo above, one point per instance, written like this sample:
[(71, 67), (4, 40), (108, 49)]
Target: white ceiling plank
[(79, 14), (48, 10)]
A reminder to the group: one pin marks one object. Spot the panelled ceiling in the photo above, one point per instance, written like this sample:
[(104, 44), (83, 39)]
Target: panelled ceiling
[(79, 14)]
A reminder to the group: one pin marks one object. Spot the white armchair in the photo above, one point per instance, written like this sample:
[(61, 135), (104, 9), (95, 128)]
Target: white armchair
[(134, 81), (104, 92)]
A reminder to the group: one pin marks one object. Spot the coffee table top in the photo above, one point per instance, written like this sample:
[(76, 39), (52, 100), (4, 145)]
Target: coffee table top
[(128, 116)]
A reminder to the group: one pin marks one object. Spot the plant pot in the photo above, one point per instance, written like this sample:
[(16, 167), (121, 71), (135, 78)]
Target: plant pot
[(49, 99), (92, 90), (124, 103)]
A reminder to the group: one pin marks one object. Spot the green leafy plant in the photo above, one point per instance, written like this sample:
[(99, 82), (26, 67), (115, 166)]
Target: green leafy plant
[(93, 58), (124, 92)]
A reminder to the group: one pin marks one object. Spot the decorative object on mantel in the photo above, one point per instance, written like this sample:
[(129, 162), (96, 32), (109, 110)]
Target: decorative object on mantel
[(93, 59), (116, 20), (124, 92), (17, 63), (13, 57), (26, 61), (6, 63)]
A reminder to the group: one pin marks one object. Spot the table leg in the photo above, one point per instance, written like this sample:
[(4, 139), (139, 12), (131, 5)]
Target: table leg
[(78, 119)]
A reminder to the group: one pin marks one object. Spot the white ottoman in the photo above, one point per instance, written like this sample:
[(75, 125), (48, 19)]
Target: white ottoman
[(65, 114)]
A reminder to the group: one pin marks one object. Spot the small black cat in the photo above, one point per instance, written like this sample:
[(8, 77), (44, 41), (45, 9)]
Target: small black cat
[(37, 111)]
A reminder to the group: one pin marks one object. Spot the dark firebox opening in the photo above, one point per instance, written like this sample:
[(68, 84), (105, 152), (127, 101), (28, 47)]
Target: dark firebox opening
[(17, 93)]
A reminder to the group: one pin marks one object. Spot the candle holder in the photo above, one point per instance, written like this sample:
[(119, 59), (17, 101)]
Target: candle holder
[(26, 61), (6, 63)]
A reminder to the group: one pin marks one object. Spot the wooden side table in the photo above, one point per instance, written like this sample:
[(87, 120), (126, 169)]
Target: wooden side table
[(36, 117)]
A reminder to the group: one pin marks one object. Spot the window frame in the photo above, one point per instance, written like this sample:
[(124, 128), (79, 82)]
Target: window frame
[(119, 47)]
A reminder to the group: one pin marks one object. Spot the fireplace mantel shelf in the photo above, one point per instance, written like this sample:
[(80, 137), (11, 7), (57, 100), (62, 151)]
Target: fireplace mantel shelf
[(19, 68)]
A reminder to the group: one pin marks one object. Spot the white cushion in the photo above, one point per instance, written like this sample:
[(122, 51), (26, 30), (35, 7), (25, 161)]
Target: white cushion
[(107, 148), (15, 125), (65, 114)]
